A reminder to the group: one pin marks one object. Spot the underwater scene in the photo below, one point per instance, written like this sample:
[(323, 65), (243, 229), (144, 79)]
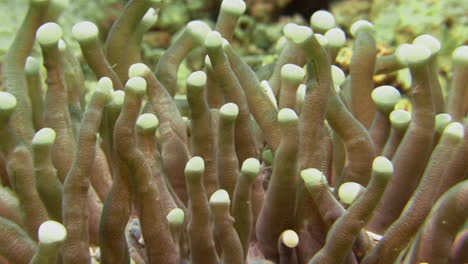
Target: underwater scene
[(233, 132)]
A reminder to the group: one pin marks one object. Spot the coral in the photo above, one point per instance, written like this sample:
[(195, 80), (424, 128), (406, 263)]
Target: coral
[(292, 161)]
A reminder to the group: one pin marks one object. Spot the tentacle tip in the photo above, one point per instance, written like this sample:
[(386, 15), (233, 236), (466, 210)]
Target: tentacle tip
[(49, 34), (229, 110), (197, 79), (322, 20), (176, 216), (361, 25), (322, 40), (148, 122), (292, 73), (45, 136), (413, 54), (454, 130), (213, 40), (290, 238), (385, 97), (198, 30), (32, 65), (195, 165), (85, 31), (220, 197), (338, 75), (441, 121), (7, 101), (460, 55), (233, 7), (336, 37), (51, 232), (287, 116), (251, 167), (430, 42), (297, 34), (138, 69), (382, 165), (400, 118), (313, 177), (105, 87), (349, 191), (136, 85)]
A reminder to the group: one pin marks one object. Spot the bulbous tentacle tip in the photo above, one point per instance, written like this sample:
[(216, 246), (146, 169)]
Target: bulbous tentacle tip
[(233, 7), (287, 116), (52, 232), (336, 37), (32, 65), (361, 25), (292, 73), (195, 165), (289, 238), (229, 110), (400, 118), (297, 34), (313, 177), (136, 85), (197, 79), (454, 130), (198, 30), (349, 191), (44, 137), (385, 97), (176, 216), (147, 122), (85, 31), (213, 40), (49, 34), (460, 55), (7, 102), (441, 122), (220, 197), (105, 87), (138, 69), (429, 42), (250, 167), (322, 20), (382, 165)]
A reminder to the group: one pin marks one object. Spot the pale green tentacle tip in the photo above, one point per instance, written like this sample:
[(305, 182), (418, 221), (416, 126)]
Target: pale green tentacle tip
[(45, 136), (198, 30), (400, 53), (287, 116), (413, 54), (85, 31), (297, 34), (338, 75), (105, 87), (441, 122), (322, 20), (150, 17), (313, 177), (138, 69), (7, 101), (429, 42), (382, 166), (136, 85), (229, 111), (220, 197), (176, 216), (208, 62), (336, 37), (32, 65), (267, 156), (148, 122), (289, 238), (62, 45), (361, 25), (213, 40), (454, 130), (197, 79), (49, 34), (322, 40), (195, 165), (460, 55), (349, 191), (250, 167), (233, 7), (118, 98), (51, 232), (400, 119), (385, 97), (292, 73)]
